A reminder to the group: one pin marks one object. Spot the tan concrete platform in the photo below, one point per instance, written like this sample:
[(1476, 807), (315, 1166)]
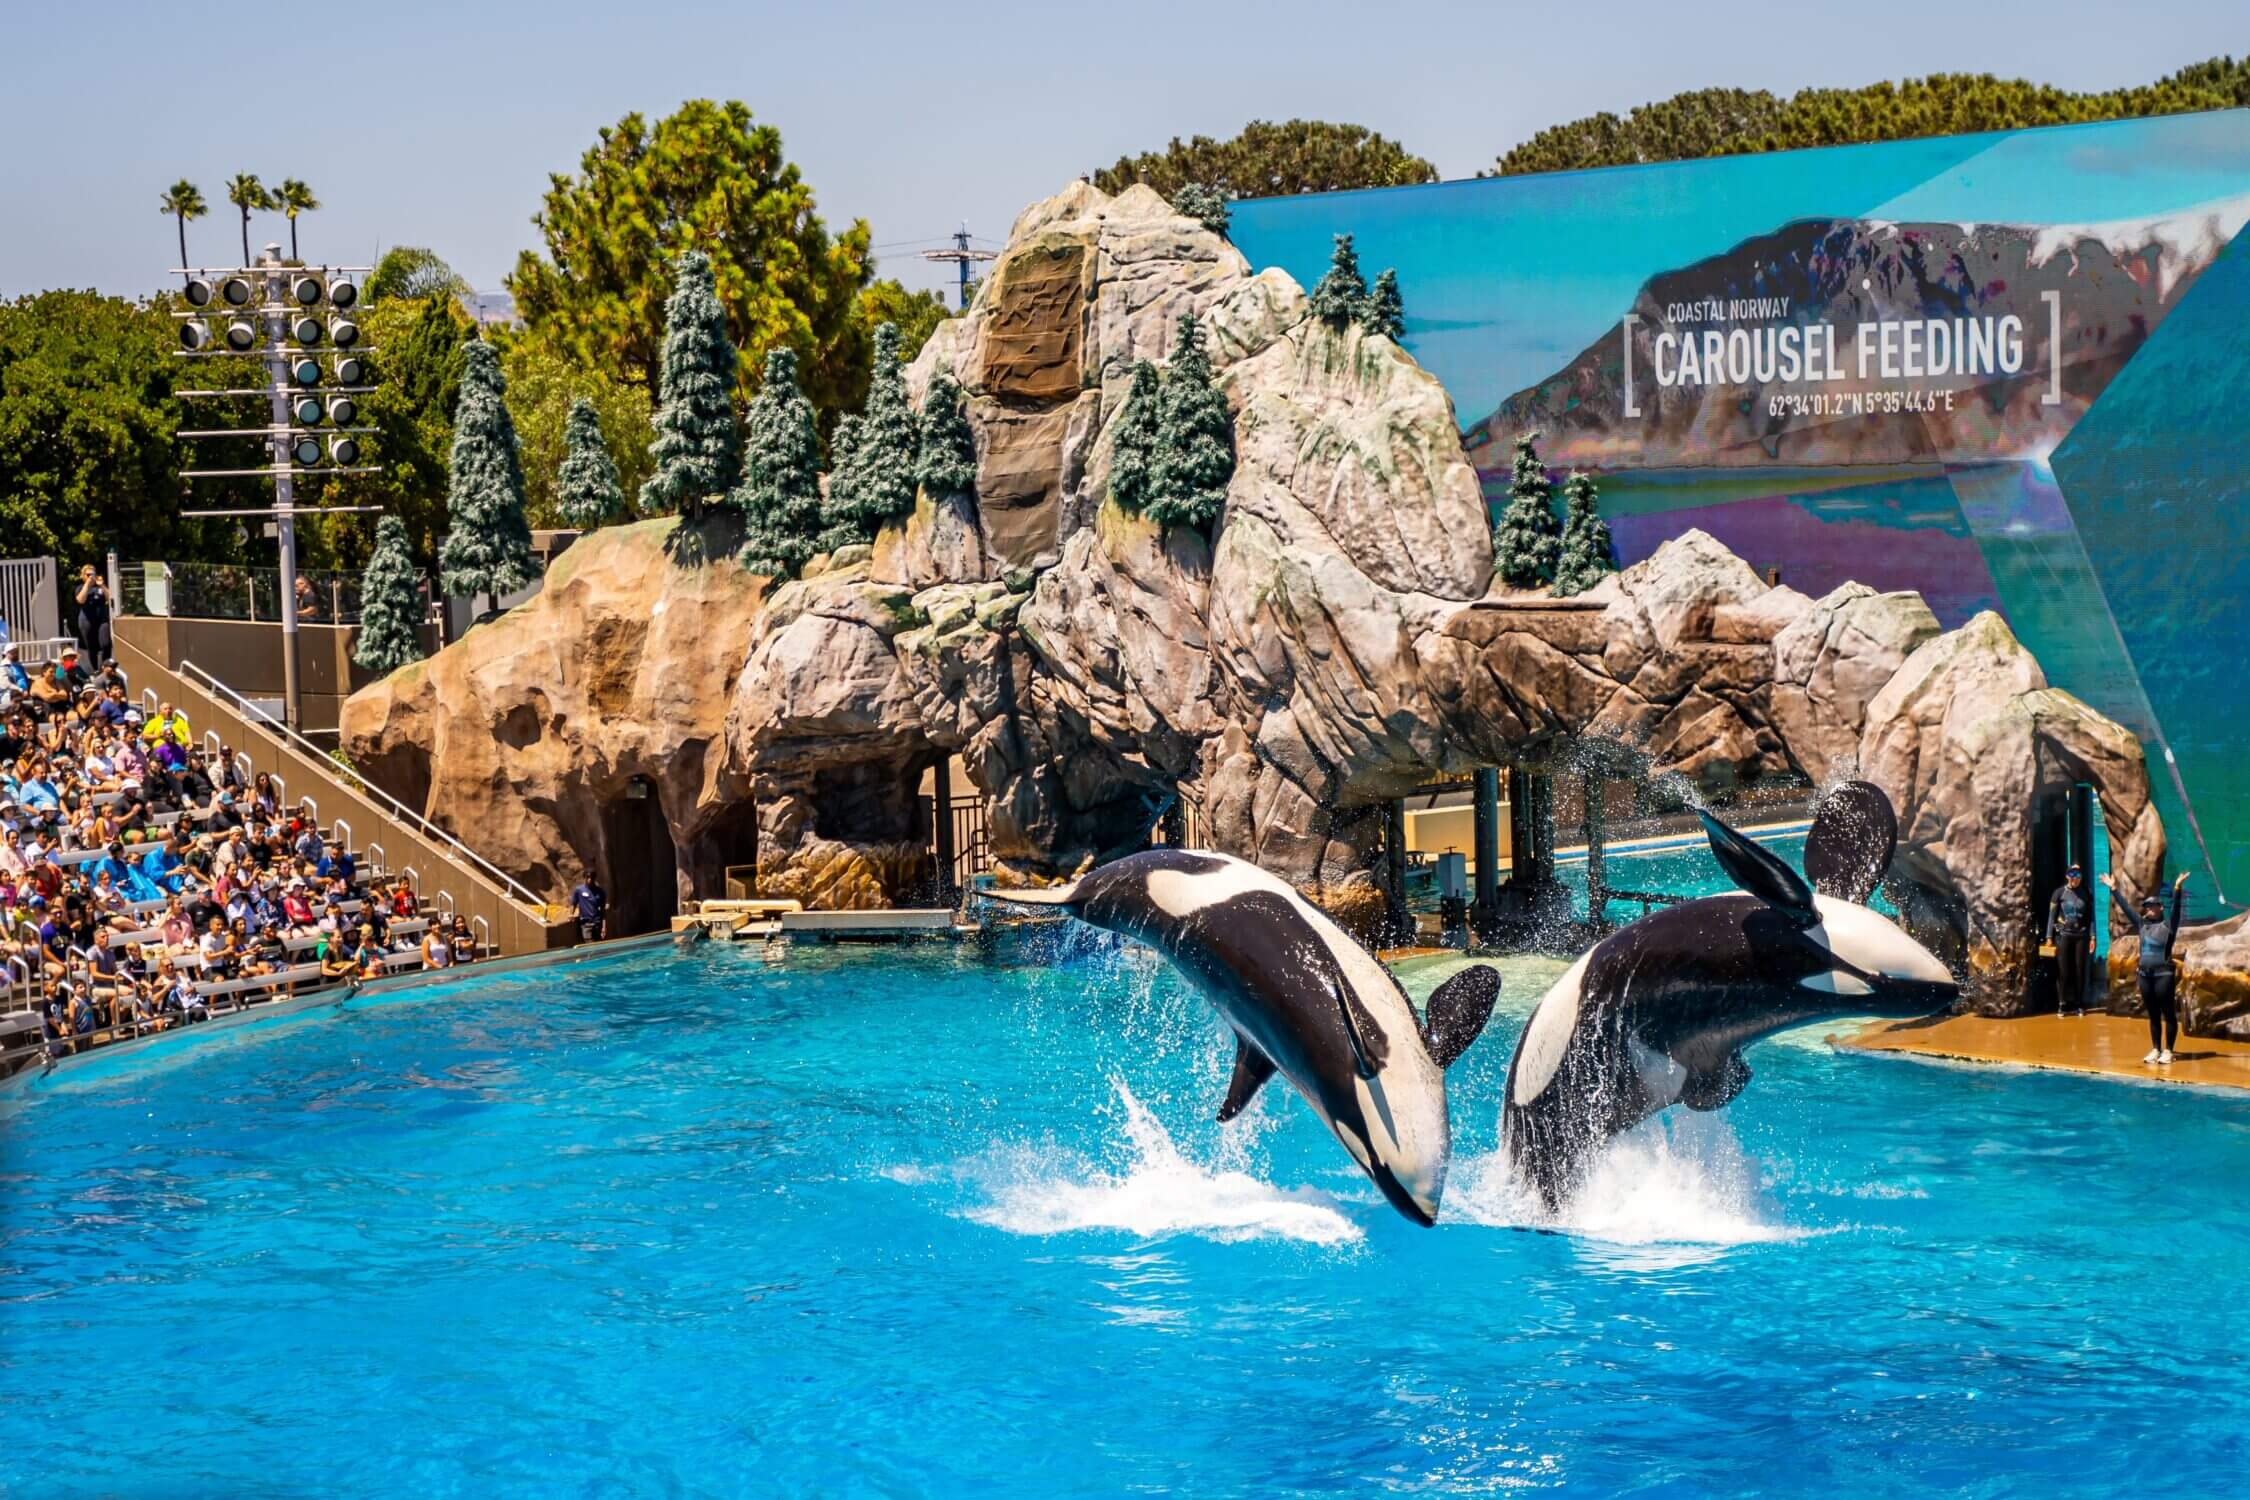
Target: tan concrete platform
[(2111, 1046)]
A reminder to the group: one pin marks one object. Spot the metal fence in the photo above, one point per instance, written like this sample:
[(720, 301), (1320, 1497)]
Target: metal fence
[(225, 591), (30, 603)]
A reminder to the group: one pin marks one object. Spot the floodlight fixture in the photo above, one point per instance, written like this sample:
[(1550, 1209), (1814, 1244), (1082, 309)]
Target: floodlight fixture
[(351, 370), (343, 292), (194, 334), (199, 293), (308, 451), (342, 410), (305, 290), (306, 331), (309, 411), (345, 332), (235, 291), (344, 449), (305, 372), (241, 336)]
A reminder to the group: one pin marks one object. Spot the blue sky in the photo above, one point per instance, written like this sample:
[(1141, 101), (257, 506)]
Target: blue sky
[(438, 124)]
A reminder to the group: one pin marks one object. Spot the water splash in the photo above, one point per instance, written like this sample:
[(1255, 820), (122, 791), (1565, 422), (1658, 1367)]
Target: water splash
[(1669, 1193), (1155, 1191)]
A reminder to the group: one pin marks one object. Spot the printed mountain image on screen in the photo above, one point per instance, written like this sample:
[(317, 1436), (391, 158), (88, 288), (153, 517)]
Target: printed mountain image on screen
[(1861, 341)]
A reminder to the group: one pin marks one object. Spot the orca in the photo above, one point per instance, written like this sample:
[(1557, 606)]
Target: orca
[(1658, 1012), (1305, 1000)]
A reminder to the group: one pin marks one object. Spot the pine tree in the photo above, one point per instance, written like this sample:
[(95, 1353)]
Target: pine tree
[(843, 504), (698, 447), (390, 608), (586, 491), (1385, 313), (1204, 204), (779, 496), (1194, 455), (1340, 297), (1133, 447), (949, 451), (1587, 554), (884, 457), (487, 541), (1528, 539)]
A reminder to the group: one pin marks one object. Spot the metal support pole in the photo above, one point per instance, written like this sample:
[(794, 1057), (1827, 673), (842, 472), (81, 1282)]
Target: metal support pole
[(284, 493), (1487, 840), (1591, 821), (941, 818), (1400, 921)]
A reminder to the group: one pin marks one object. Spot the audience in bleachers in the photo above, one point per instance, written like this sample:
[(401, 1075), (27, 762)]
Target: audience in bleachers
[(143, 883)]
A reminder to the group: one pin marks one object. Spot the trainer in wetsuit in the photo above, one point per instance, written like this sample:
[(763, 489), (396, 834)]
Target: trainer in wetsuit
[(2158, 978), (2070, 932)]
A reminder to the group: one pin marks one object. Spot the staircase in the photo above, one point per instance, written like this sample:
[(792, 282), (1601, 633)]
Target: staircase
[(446, 873)]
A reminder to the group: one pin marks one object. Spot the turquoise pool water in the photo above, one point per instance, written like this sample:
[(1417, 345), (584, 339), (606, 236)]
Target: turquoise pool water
[(907, 1224)]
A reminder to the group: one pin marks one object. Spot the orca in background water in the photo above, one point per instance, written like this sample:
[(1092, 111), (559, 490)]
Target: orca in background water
[(1305, 1000), (1658, 1012)]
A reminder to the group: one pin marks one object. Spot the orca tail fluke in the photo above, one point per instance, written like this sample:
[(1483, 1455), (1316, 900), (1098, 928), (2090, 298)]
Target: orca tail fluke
[(1457, 1012), (1065, 894)]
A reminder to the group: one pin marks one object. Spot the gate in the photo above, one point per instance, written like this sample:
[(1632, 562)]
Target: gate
[(29, 602)]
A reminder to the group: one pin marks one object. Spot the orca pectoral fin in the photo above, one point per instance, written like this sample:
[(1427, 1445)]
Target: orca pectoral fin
[(1251, 1069), (1457, 1012), (1716, 1088), (1369, 1053)]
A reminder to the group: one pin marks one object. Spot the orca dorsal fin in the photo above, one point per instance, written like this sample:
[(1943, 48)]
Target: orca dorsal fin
[(1759, 871), (1457, 1012), (1854, 833), (1251, 1069)]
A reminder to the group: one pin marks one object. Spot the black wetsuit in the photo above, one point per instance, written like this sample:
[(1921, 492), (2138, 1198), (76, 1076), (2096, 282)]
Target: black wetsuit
[(2158, 978), (2070, 927)]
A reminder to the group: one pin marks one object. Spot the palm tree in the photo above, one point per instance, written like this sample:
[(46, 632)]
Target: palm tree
[(247, 193), (296, 199), (183, 200)]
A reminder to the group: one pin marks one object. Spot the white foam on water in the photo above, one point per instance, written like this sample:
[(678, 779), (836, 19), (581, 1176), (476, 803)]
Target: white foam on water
[(1156, 1191), (1675, 1191)]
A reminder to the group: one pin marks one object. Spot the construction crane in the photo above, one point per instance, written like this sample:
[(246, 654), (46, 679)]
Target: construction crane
[(961, 255)]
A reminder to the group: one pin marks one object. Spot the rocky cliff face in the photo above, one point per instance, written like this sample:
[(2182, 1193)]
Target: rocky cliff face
[(1336, 641)]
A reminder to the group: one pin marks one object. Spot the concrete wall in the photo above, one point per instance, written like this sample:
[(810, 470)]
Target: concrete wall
[(246, 656)]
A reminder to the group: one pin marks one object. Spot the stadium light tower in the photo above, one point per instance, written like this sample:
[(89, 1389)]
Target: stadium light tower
[(299, 322)]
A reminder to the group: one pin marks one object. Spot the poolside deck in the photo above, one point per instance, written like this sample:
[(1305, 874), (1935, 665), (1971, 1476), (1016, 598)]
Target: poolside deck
[(2111, 1046)]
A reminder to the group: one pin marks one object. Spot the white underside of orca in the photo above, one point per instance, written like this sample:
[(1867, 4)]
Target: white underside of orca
[(1546, 1036)]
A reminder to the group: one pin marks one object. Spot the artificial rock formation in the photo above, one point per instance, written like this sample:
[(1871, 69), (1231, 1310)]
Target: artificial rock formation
[(1336, 641)]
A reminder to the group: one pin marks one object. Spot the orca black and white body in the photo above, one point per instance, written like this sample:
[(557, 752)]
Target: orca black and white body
[(1658, 1012), (1305, 1000)]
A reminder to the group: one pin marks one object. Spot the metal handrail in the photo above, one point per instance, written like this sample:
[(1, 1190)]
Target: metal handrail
[(397, 809)]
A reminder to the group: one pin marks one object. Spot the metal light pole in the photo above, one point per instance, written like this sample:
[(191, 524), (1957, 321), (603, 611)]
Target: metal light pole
[(300, 410)]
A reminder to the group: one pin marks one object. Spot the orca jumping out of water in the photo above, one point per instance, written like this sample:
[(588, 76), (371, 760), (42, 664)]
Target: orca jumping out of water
[(1658, 1012), (1305, 1000)]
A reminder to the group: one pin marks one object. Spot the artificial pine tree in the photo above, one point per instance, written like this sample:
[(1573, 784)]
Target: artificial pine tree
[(487, 541), (698, 447), (390, 608), (1133, 447), (886, 452), (586, 490), (1204, 204), (1587, 554), (842, 506), (1340, 297), (1194, 455), (948, 464), (1528, 538), (1385, 312), (779, 496)]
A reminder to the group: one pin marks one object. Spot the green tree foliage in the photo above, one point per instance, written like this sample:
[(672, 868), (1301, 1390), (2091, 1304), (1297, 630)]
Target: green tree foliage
[(1194, 456), (586, 490), (1267, 160), (702, 179), (488, 542), (390, 609), (1340, 296), (183, 200), (87, 457), (840, 503), (1586, 555), (697, 454), (1204, 204), (1133, 442), (883, 452), (1528, 540), (293, 199), (780, 492), (916, 315), (543, 388), (1729, 122), (411, 271), (949, 451), (1385, 312)]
